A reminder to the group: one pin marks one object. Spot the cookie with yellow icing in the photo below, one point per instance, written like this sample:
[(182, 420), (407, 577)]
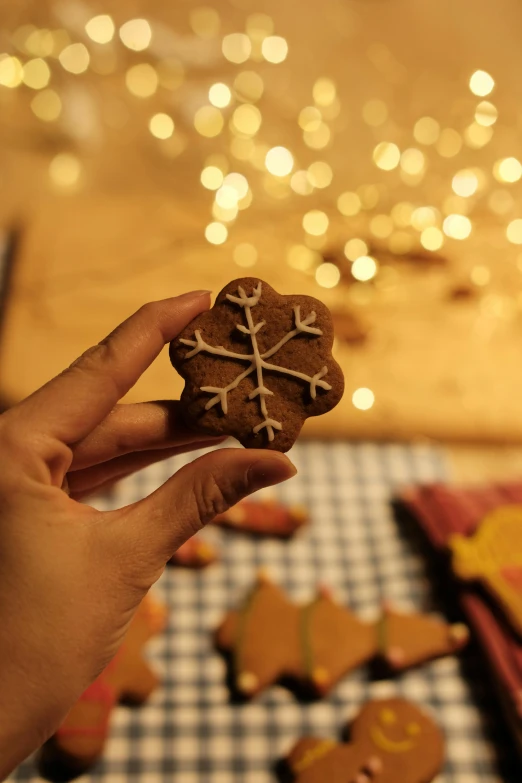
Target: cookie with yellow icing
[(257, 365)]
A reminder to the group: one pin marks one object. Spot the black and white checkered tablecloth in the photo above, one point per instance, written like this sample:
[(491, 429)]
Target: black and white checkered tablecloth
[(190, 733)]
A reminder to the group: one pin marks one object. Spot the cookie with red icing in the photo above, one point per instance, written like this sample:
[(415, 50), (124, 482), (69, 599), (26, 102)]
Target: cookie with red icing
[(79, 741), (257, 365), (392, 741)]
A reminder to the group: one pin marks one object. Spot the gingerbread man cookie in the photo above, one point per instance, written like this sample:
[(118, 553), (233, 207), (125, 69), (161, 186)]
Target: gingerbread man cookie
[(392, 741), (257, 365), (195, 553), (493, 556), (80, 740)]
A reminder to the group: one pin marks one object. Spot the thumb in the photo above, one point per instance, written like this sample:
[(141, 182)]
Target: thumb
[(198, 492)]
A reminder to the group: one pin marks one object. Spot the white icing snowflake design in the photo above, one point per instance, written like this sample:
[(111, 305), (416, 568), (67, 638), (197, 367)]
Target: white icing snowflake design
[(257, 362)]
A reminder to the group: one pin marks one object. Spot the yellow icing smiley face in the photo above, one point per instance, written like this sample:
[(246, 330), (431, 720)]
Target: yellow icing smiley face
[(389, 732)]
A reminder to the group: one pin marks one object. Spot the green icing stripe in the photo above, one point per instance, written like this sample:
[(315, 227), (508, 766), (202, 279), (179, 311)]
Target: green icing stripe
[(241, 631)]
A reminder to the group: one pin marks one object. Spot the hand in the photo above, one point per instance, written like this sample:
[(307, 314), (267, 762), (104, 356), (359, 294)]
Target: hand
[(71, 577)]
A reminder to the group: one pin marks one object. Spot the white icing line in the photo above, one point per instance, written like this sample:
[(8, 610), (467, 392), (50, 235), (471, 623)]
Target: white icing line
[(257, 359)]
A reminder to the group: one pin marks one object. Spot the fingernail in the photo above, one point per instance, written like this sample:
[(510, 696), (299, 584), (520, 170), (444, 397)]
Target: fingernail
[(270, 470)]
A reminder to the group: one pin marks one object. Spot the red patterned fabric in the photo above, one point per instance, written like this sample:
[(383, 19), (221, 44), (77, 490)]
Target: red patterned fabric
[(442, 511)]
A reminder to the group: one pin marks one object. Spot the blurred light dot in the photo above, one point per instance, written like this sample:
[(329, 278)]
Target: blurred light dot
[(274, 49), (142, 80), (301, 257), (481, 83), (241, 148), (227, 197), (161, 126), (236, 47), (315, 222), (363, 399), (320, 174), (501, 202), (301, 184), (245, 254), (47, 105), (205, 22), (432, 238), (331, 111), (100, 29), (514, 231), (400, 243), (386, 156), (364, 268), (219, 95), (324, 92), (238, 183), (248, 86), (401, 213), (40, 43), (457, 226), (426, 130), (423, 217), (318, 138), (381, 226), (480, 275), (355, 248), (224, 214), (259, 24), (216, 233), (75, 58), (136, 34), (36, 74), (349, 204), (486, 113), (246, 119), (507, 170), (208, 121), (477, 136), (11, 72), (65, 170), (171, 73), (449, 143), (465, 183), (369, 195), (375, 113), (279, 161), (310, 118), (327, 275), (412, 161), (211, 177)]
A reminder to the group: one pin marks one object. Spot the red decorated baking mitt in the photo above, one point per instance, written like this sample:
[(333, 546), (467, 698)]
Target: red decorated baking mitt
[(257, 365)]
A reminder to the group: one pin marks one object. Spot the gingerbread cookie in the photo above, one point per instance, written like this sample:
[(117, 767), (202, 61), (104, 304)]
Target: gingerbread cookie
[(392, 741), (493, 556), (80, 740), (317, 644), (263, 518), (194, 553), (257, 365)]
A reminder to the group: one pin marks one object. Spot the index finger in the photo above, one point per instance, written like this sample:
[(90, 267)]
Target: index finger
[(69, 406)]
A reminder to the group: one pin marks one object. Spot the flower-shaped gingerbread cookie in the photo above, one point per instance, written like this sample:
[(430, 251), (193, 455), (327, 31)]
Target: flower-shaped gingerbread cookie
[(257, 365)]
